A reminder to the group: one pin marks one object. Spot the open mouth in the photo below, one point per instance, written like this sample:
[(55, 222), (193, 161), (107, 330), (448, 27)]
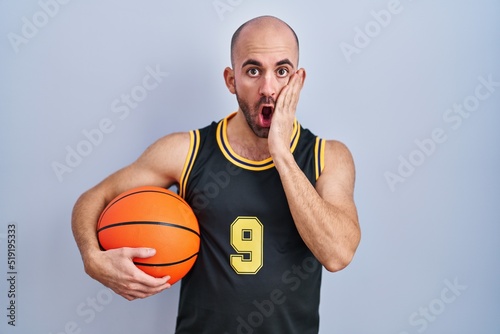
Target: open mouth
[(267, 111)]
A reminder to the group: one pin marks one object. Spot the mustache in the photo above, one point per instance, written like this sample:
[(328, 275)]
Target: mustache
[(265, 100)]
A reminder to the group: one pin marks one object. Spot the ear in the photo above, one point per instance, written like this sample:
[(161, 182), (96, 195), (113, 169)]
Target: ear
[(229, 79)]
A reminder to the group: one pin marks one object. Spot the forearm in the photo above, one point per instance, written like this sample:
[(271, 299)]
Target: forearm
[(113, 268), (330, 233), (84, 220)]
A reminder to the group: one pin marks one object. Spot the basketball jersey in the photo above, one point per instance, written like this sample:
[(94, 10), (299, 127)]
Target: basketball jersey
[(254, 274)]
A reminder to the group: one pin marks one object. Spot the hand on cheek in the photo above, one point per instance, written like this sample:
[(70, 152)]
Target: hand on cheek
[(284, 114)]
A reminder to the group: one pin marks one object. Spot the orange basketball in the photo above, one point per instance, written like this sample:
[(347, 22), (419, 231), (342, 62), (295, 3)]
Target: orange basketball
[(157, 218)]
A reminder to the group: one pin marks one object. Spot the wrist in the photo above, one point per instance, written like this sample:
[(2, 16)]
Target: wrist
[(89, 259), (284, 161)]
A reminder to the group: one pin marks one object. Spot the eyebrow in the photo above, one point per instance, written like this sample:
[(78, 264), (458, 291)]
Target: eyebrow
[(251, 62), (259, 64), (285, 62)]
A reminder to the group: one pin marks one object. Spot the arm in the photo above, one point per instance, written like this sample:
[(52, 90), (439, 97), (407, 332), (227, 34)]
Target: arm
[(325, 216), (160, 165)]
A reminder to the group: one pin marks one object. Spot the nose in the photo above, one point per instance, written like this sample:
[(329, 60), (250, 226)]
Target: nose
[(268, 86)]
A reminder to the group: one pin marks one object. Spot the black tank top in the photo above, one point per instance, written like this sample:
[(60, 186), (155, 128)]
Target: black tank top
[(254, 274)]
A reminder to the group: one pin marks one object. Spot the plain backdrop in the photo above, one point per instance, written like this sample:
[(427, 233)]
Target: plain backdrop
[(411, 87)]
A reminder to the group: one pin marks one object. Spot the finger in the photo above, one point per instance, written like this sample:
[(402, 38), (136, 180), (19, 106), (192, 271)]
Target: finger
[(133, 296), (141, 253), (299, 82), (125, 293), (302, 75), (128, 297), (289, 95), (141, 289), (292, 92), (280, 103), (145, 281)]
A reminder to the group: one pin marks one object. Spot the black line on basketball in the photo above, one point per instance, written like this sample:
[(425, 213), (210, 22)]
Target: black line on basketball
[(149, 223), (164, 264), (138, 192)]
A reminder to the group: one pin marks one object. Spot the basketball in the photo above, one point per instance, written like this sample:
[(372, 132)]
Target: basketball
[(156, 218)]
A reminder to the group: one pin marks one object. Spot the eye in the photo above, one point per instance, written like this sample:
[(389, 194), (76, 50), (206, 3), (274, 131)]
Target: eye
[(253, 72), (282, 72)]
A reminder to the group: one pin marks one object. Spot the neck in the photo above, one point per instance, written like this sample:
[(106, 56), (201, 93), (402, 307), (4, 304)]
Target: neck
[(243, 141)]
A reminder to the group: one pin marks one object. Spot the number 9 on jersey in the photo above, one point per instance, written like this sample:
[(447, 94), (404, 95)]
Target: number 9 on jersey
[(247, 239)]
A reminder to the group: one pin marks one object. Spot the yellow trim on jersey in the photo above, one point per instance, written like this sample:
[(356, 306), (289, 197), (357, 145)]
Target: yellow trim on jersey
[(319, 156), (194, 145), (245, 163)]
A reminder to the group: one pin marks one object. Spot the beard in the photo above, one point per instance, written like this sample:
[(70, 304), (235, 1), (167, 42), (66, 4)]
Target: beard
[(252, 113)]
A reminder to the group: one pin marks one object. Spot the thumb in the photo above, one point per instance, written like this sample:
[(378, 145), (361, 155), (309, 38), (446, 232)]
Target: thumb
[(142, 252)]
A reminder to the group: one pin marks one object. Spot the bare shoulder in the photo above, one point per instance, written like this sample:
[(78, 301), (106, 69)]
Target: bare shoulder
[(166, 156), (171, 144), (337, 155), (160, 165), (339, 172)]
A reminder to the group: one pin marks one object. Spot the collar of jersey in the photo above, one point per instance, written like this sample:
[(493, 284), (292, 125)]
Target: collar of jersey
[(242, 162)]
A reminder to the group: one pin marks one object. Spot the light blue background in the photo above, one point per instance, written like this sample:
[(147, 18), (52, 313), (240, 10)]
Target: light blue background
[(440, 226)]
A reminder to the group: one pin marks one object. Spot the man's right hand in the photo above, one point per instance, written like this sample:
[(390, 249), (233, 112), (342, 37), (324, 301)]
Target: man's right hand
[(116, 270), (160, 165)]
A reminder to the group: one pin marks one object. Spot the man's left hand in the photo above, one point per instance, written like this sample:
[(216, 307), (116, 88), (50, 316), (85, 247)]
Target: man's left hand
[(284, 115)]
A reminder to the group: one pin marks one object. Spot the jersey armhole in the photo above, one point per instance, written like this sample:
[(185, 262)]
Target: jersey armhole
[(194, 144), (319, 156)]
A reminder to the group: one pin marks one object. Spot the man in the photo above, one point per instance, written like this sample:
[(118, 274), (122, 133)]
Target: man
[(274, 202)]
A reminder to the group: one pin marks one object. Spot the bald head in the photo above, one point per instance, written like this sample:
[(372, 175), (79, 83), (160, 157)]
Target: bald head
[(262, 25)]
